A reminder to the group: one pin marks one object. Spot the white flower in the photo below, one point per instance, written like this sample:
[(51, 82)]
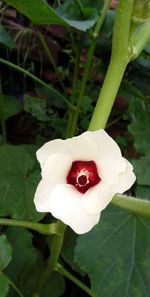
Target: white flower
[(80, 176)]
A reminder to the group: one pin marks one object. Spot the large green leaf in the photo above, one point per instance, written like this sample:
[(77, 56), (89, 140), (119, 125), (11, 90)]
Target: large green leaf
[(40, 12), (116, 255), (142, 170), (5, 258), (18, 181), (140, 125), (27, 266)]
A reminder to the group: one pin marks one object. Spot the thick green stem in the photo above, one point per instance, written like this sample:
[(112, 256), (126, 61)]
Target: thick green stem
[(50, 57), (2, 116), (55, 252), (60, 269), (38, 80), (46, 229), (88, 63), (138, 206), (119, 60)]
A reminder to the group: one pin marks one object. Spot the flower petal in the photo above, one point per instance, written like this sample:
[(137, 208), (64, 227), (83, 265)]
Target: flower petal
[(109, 170), (56, 168), (97, 198), (42, 196), (105, 144), (65, 204), (48, 149), (126, 179), (79, 148)]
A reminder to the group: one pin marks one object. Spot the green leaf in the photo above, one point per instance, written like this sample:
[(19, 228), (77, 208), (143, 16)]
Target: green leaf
[(5, 38), (75, 17), (143, 192), (11, 106), (5, 252), (27, 266), (142, 170), (5, 258), (37, 107), (116, 255), (140, 125), (40, 12), (18, 181), (4, 285)]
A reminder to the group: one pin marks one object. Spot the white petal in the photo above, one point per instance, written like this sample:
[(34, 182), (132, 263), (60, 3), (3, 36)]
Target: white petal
[(109, 170), (79, 148), (57, 168), (126, 179), (66, 205), (42, 197), (105, 144), (97, 198), (48, 149)]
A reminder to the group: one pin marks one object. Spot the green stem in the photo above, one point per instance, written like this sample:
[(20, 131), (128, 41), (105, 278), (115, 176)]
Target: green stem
[(2, 116), (88, 63), (73, 96), (38, 80), (135, 205), (55, 252), (119, 60), (16, 289), (40, 228), (60, 269), (50, 57)]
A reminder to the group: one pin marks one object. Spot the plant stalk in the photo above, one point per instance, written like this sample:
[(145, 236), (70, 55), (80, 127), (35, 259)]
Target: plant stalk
[(119, 60), (57, 243), (2, 116), (46, 229), (88, 63), (60, 269), (50, 57), (135, 205)]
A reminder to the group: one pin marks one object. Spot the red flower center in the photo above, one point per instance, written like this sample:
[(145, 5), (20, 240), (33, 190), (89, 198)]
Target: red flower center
[(83, 175)]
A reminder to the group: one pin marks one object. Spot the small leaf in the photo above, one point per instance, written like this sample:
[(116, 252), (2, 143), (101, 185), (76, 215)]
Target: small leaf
[(5, 252), (5, 38), (18, 181), (37, 107), (5, 258), (11, 106), (4, 285), (116, 255)]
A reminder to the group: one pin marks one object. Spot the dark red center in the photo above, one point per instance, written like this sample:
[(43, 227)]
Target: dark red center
[(83, 175)]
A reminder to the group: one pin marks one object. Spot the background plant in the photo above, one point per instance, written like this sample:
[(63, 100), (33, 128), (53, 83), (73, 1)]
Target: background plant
[(51, 77)]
